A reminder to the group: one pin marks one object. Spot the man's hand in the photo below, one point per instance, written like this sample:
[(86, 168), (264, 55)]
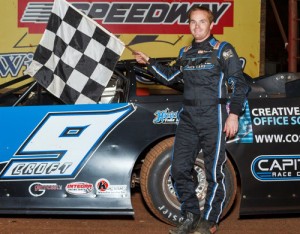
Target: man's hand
[(231, 125), (140, 57)]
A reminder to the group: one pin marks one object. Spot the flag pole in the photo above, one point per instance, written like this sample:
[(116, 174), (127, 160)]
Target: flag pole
[(134, 53), (131, 50)]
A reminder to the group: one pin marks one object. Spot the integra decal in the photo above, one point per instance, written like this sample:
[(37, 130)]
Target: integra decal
[(276, 168), (79, 188)]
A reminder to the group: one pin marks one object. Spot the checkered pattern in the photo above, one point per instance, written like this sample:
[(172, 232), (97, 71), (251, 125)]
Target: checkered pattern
[(76, 56)]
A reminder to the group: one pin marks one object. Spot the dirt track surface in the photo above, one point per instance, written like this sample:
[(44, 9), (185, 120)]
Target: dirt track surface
[(142, 223)]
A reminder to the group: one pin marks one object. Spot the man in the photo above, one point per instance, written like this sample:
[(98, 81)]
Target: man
[(205, 66)]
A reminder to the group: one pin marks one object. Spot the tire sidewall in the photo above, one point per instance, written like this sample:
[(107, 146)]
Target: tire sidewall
[(168, 212), (160, 202)]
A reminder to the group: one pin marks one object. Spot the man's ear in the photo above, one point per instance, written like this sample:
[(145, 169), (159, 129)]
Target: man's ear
[(211, 25)]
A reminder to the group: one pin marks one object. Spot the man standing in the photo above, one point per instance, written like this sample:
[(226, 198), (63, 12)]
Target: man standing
[(205, 66)]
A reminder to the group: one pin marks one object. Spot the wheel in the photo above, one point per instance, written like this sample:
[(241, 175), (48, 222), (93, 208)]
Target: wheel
[(158, 191)]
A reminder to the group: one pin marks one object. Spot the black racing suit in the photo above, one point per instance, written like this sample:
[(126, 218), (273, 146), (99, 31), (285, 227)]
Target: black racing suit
[(205, 68)]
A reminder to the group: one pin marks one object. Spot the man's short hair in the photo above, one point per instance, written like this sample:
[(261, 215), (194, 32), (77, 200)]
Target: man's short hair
[(201, 8)]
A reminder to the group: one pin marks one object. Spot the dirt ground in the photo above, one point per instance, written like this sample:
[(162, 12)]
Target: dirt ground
[(142, 223)]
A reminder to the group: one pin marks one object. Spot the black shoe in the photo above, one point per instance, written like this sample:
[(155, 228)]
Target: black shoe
[(206, 227), (188, 225)]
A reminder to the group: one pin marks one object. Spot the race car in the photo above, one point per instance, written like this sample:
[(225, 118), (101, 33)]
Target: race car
[(87, 159)]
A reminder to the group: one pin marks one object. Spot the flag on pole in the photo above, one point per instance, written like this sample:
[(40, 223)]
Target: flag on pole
[(76, 57)]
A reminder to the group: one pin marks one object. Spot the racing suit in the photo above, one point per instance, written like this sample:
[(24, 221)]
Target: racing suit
[(205, 68)]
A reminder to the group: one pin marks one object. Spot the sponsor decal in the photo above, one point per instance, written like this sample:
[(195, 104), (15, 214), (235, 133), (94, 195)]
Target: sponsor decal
[(276, 116), (283, 123), (123, 17), (102, 185), (79, 188), (276, 168), (38, 189), (105, 188), (166, 117)]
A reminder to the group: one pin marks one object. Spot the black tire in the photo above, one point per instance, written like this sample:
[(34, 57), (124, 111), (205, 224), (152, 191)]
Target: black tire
[(157, 188)]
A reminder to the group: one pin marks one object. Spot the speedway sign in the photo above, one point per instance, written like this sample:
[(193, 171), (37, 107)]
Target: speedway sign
[(159, 28), (123, 17)]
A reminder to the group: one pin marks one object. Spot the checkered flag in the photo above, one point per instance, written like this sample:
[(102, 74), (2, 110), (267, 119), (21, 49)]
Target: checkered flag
[(76, 56)]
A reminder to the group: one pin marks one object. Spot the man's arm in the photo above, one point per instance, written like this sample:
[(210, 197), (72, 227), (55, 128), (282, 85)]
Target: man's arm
[(233, 71), (166, 74)]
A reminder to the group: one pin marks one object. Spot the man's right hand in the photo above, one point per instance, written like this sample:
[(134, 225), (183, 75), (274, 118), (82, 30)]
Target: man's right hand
[(140, 57)]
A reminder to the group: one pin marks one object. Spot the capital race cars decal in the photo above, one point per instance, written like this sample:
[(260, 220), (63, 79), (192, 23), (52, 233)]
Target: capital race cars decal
[(276, 167), (124, 17), (55, 141)]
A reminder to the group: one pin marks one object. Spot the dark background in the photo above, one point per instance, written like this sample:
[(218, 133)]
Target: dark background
[(276, 54)]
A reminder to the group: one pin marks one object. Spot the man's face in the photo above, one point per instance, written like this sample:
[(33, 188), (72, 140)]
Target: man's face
[(199, 25)]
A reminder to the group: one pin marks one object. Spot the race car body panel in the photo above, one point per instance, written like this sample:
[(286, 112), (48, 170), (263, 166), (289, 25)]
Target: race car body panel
[(74, 158), (267, 156), (80, 159)]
